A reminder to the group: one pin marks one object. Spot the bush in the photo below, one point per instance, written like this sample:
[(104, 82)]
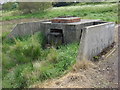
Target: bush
[(9, 6), (60, 4), (30, 7)]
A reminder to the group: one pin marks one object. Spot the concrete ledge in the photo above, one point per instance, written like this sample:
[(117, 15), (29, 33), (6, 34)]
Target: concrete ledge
[(23, 29), (94, 39)]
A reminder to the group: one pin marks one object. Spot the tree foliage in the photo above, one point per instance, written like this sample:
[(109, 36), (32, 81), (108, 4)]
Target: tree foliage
[(9, 5), (60, 4), (30, 7)]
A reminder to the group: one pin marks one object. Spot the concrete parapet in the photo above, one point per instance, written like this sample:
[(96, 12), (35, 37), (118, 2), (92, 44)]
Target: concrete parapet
[(25, 29), (94, 39)]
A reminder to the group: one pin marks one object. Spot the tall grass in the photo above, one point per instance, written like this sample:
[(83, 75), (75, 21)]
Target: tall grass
[(21, 50), (19, 58)]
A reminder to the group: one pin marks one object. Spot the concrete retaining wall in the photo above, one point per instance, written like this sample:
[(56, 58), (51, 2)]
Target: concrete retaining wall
[(94, 39), (25, 29), (71, 31)]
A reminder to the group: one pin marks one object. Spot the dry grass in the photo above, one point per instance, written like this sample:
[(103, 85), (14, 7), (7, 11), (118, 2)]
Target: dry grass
[(72, 79), (89, 78), (83, 64), (52, 56), (86, 75)]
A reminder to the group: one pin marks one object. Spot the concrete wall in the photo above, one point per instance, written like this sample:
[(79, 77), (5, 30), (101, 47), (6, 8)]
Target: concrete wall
[(94, 39), (25, 29), (71, 31)]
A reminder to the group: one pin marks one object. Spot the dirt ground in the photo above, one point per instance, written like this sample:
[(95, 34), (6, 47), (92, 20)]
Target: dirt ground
[(103, 74)]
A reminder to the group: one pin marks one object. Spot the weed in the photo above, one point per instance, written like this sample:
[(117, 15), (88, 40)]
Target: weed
[(96, 57), (52, 56)]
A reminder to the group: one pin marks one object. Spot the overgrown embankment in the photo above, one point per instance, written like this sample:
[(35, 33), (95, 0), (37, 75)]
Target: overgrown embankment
[(26, 62), (106, 12)]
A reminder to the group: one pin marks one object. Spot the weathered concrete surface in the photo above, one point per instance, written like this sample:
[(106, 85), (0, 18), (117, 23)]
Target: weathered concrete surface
[(94, 39), (71, 31), (25, 29)]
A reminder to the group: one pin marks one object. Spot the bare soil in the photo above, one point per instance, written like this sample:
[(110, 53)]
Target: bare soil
[(103, 74)]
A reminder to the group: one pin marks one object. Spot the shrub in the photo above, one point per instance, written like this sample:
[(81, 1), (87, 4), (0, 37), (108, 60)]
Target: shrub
[(30, 7), (9, 5)]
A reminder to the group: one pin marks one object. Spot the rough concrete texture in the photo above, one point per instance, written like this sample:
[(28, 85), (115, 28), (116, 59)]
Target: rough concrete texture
[(71, 31), (25, 29), (94, 39)]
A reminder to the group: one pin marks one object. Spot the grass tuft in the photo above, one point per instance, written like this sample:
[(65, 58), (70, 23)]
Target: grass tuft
[(83, 64), (52, 56)]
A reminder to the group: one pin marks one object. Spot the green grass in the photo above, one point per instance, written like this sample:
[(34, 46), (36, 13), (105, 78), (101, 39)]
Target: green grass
[(106, 12), (25, 61)]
